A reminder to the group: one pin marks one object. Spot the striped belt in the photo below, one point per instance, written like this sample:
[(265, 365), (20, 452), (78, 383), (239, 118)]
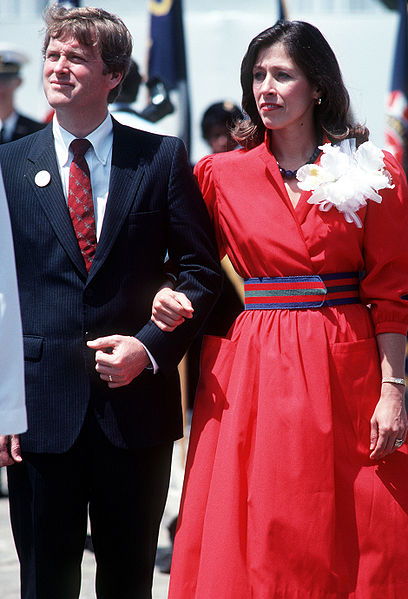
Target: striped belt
[(294, 293)]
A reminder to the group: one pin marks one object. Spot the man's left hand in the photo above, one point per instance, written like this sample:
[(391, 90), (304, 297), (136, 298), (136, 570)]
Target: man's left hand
[(119, 359)]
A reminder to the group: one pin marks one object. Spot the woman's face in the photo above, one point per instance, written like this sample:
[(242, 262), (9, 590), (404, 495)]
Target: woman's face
[(283, 95)]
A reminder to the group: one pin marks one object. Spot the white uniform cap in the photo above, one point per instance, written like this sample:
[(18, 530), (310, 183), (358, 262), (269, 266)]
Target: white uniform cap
[(11, 59)]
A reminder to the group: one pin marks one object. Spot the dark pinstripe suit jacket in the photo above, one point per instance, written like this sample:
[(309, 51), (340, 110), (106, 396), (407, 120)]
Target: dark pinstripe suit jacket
[(25, 126), (154, 206)]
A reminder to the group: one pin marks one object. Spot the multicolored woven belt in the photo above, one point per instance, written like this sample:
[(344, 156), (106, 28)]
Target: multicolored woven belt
[(294, 293)]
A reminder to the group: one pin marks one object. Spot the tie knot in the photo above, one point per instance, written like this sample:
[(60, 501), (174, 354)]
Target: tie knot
[(80, 146)]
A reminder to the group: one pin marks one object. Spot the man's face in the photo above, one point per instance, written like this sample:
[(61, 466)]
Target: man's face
[(75, 79)]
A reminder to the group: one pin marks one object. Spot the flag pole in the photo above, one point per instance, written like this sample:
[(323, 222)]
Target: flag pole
[(167, 58), (283, 10)]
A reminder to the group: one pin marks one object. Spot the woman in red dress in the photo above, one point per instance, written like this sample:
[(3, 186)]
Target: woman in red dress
[(296, 482)]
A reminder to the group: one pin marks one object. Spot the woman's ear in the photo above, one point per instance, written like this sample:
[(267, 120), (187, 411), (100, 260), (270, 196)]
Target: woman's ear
[(317, 93)]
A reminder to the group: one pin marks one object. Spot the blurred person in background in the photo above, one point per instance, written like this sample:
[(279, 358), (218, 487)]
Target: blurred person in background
[(123, 108), (13, 125), (217, 124)]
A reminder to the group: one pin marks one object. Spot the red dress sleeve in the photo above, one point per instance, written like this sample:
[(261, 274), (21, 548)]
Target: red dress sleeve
[(204, 174), (385, 284)]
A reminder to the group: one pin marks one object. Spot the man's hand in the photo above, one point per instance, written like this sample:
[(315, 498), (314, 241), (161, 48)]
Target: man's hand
[(119, 359), (10, 451)]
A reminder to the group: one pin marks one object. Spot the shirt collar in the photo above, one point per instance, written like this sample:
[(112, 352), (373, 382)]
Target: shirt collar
[(101, 139)]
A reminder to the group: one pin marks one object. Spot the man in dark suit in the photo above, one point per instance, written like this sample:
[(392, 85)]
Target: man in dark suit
[(102, 388), (13, 125)]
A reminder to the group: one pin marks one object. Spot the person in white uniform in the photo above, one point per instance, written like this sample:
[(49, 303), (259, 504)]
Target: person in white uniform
[(123, 108), (13, 417)]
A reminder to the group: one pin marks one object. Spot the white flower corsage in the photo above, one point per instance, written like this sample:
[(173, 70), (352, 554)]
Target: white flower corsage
[(346, 178)]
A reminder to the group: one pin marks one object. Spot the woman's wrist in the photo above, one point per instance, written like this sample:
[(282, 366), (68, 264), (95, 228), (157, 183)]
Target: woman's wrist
[(395, 380)]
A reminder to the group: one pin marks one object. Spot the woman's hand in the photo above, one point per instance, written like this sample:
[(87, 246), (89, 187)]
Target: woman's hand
[(389, 421), (170, 309)]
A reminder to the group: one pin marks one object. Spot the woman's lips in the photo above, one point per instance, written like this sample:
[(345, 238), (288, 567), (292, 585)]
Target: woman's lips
[(269, 106)]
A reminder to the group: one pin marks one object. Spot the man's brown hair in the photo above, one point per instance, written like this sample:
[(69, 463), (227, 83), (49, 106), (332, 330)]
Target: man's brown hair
[(92, 27)]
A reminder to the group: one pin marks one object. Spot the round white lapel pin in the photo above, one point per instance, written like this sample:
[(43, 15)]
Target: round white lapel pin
[(42, 178)]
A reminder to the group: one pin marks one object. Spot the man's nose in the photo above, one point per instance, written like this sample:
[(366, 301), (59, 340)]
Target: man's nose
[(61, 64)]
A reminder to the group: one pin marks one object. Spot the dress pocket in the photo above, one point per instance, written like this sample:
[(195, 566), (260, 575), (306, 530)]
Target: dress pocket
[(356, 380), (356, 362)]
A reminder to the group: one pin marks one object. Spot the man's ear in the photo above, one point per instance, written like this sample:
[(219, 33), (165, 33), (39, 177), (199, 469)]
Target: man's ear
[(115, 79)]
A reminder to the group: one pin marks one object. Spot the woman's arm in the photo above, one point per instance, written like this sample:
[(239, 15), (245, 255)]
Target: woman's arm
[(389, 421)]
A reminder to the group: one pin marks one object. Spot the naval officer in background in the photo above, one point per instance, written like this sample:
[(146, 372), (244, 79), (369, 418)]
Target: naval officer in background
[(13, 125)]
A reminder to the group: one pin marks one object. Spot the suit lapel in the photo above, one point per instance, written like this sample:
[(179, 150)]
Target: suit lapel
[(126, 174), (51, 197)]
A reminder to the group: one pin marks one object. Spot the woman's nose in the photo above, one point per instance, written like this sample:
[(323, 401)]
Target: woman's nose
[(268, 85)]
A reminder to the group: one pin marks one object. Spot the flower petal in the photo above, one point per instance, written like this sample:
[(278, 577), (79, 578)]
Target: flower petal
[(369, 157), (346, 178), (310, 176)]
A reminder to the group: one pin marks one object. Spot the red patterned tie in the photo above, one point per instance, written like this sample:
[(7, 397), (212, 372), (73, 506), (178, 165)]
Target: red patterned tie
[(80, 202)]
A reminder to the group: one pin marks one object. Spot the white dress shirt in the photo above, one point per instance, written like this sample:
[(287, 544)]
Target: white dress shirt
[(13, 417), (99, 159)]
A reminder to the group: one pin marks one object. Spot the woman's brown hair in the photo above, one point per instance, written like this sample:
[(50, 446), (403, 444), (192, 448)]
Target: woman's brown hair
[(310, 51)]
